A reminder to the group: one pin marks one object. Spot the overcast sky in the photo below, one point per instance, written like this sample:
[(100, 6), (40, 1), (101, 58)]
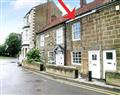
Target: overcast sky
[(13, 11)]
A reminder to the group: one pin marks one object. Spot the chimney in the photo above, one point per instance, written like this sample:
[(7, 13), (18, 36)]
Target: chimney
[(82, 3)]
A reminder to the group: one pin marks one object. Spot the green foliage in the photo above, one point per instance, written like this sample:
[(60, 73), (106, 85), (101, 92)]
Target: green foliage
[(2, 50), (33, 55), (13, 44)]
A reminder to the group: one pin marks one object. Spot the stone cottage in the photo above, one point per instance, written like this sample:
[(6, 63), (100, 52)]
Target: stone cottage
[(90, 42)]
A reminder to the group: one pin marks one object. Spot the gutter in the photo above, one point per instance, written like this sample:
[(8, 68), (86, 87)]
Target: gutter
[(94, 10), (78, 17)]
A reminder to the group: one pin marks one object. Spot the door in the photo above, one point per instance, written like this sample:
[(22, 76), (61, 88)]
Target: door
[(60, 59), (109, 61), (94, 63)]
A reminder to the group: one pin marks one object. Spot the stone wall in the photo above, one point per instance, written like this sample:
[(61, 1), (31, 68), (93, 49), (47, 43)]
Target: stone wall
[(32, 66), (66, 71), (113, 78), (50, 41)]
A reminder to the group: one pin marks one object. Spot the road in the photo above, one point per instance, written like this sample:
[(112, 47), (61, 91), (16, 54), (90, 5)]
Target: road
[(15, 80)]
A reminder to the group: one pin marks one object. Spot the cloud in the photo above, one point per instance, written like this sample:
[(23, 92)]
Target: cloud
[(18, 4), (62, 9)]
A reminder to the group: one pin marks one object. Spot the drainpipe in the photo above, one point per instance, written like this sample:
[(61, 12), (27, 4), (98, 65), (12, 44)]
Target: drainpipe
[(65, 43)]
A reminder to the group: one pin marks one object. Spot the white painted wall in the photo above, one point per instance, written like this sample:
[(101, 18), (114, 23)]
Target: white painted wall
[(27, 34)]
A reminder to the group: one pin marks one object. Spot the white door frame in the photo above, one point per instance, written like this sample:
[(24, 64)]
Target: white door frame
[(60, 59), (94, 64), (109, 64)]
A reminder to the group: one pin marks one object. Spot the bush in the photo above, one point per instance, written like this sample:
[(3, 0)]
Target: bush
[(33, 55)]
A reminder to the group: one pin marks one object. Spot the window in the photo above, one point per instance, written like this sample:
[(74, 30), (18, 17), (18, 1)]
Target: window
[(76, 31), (109, 55), (51, 57), (94, 57), (59, 36), (26, 35), (42, 39), (76, 58), (25, 51)]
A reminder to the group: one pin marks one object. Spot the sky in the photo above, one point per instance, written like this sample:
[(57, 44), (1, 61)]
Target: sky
[(13, 11)]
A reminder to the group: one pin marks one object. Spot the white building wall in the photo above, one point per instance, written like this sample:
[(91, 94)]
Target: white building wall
[(28, 34)]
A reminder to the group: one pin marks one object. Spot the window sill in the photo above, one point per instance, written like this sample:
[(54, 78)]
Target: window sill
[(41, 46), (59, 43), (76, 64), (76, 39)]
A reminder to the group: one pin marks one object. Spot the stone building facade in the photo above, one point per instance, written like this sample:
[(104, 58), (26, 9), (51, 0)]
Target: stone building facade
[(99, 40), (90, 42)]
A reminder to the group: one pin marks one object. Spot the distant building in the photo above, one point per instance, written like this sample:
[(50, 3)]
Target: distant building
[(36, 19)]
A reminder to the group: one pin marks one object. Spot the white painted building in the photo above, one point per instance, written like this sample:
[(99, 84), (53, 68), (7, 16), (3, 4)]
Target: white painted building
[(28, 33)]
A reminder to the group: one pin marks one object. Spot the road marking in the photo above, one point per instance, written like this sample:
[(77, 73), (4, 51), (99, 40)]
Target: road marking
[(93, 88), (78, 85)]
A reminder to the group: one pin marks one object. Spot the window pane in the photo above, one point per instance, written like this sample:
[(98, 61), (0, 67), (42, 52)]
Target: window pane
[(76, 57), (94, 57), (59, 36), (42, 40), (51, 58), (76, 30), (77, 61), (109, 55)]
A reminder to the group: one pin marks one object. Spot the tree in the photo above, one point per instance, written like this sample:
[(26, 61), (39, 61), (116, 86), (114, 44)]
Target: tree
[(2, 50), (13, 44)]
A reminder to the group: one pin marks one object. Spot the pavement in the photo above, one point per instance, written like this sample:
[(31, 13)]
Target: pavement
[(15, 80), (94, 85), (80, 80)]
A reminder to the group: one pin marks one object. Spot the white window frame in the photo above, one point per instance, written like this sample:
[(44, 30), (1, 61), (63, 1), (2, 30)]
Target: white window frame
[(75, 29), (42, 40), (59, 36), (72, 58), (50, 61)]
